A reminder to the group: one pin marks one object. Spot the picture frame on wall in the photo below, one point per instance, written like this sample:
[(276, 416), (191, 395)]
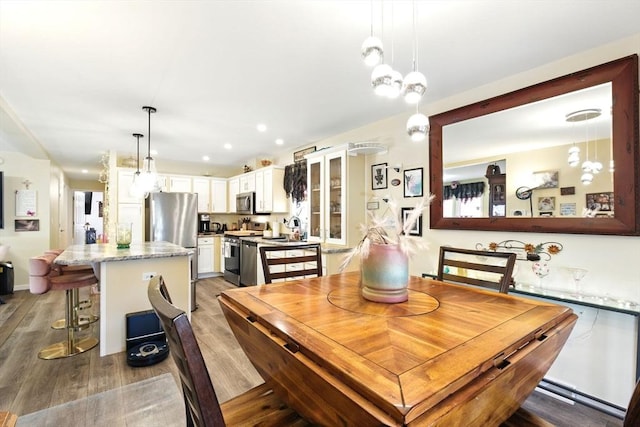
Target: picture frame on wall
[(27, 225), (416, 230), (298, 156), (601, 202), (379, 176), (546, 179), (413, 182)]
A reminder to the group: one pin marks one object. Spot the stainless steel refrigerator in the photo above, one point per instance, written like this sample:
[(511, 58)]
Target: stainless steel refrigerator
[(173, 217)]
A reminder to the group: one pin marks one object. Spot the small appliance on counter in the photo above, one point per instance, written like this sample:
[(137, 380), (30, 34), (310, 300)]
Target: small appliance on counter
[(204, 224)]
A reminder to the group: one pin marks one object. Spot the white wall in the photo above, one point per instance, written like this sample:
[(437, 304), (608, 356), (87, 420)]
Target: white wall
[(17, 168)]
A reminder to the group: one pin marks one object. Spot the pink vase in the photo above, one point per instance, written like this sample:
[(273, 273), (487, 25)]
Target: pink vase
[(384, 274)]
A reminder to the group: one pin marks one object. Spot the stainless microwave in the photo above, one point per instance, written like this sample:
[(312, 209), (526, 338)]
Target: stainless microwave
[(245, 203)]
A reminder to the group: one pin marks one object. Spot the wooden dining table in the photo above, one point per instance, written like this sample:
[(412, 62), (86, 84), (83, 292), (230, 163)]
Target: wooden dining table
[(450, 355)]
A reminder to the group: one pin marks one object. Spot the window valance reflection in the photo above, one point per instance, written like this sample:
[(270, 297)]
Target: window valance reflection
[(463, 192)]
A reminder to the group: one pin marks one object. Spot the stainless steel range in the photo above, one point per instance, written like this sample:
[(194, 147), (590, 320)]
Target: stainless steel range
[(232, 259)]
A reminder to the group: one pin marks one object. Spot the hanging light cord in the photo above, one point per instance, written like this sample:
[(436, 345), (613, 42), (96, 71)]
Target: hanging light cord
[(415, 38), (149, 158)]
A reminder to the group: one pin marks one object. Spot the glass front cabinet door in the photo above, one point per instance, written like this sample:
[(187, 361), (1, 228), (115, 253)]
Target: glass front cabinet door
[(332, 177)]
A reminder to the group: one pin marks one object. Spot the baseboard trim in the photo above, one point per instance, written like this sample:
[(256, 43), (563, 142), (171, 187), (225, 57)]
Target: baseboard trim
[(564, 393)]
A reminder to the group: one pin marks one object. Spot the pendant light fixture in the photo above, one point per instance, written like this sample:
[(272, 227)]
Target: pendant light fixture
[(418, 126), (149, 176), (137, 189), (415, 83), (372, 51)]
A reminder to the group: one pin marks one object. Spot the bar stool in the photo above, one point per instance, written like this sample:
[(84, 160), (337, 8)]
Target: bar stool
[(42, 280), (84, 320)]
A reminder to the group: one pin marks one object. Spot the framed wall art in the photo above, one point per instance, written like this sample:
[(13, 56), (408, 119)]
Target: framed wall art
[(413, 182), (416, 230), (27, 224), (545, 179), (299, 155), (379, 176), (601, 202)]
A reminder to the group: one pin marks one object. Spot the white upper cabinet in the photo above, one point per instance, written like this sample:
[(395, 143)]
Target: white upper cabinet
[(270, 194), (247, 182), (218, 202), (335, 185), (202, 186), (180, 184), (233, 188)]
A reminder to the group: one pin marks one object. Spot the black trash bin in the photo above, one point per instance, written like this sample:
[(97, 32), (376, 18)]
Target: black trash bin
[(6, 278)]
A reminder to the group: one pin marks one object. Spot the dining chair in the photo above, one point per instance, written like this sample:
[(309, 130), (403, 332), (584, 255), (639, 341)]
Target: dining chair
[(257, 406), (287, 261), (489, 269)]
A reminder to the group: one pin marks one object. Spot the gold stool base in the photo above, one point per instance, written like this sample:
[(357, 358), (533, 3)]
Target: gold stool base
[(84, 320), (61, 349)]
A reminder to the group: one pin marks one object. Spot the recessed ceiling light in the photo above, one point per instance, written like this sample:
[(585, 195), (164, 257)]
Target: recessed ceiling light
[(279, 141), (227, 146), (261, 127), (205, 158), (84, 171)]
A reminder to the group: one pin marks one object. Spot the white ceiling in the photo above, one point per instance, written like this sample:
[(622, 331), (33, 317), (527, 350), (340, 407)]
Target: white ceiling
[(74, 75)]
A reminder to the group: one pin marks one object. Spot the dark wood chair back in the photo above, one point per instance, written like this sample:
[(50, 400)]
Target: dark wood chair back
[(200, 400), (494, 269), (278, 261), (632, 417), (257, 406)]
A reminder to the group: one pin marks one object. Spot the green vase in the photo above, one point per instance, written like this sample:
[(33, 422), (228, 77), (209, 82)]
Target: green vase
[(384, 274)]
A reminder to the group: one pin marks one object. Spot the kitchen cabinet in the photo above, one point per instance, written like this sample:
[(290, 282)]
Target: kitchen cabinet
[(233, 187), (247, 182), (335, 187), (202, 186), (270, 194), (205, 256), (218, 202), (180, 184)]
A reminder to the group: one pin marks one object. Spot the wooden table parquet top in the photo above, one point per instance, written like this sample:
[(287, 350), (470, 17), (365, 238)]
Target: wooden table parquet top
[(403, 357)]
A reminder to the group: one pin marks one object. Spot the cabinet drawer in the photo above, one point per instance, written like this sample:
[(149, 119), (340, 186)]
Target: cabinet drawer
[(205, 241)]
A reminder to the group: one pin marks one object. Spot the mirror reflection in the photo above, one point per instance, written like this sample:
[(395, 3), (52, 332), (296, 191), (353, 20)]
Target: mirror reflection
[(550, 158)]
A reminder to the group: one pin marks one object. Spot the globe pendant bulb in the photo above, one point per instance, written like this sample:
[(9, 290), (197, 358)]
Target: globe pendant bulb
[(586, 166), (414, 86), (574, 149), (418, 127), (372, 51), (596, 167), (574, 159), (395, 87), (381, 79), (586, 178)]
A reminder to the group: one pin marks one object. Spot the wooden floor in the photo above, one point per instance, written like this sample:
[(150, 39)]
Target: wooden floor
[(28, 384)]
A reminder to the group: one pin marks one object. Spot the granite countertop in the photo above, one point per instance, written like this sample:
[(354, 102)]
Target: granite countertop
[(326, 249), (106, 252)]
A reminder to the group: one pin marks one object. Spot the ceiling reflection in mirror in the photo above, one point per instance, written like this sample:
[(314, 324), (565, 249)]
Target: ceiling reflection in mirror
[(540, 150)]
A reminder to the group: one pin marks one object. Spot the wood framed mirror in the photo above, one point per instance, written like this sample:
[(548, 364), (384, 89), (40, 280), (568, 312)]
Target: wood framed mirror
[(540, 211)]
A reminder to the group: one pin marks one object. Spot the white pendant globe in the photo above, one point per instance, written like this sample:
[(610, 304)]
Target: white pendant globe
[(574, 149), (573, 160), (381, 79), (414, 86), (395, 87), (596, 167), (586, 166), (372, 51), (586, 178), (418, 127)]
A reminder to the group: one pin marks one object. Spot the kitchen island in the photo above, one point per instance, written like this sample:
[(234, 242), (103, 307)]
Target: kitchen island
[(124, 275)]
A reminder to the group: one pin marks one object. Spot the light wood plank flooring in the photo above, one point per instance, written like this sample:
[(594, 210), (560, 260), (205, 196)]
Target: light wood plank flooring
[(28, 384)]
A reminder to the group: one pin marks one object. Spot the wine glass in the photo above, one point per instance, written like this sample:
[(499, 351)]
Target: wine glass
[(577, 274), (540, 269)]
